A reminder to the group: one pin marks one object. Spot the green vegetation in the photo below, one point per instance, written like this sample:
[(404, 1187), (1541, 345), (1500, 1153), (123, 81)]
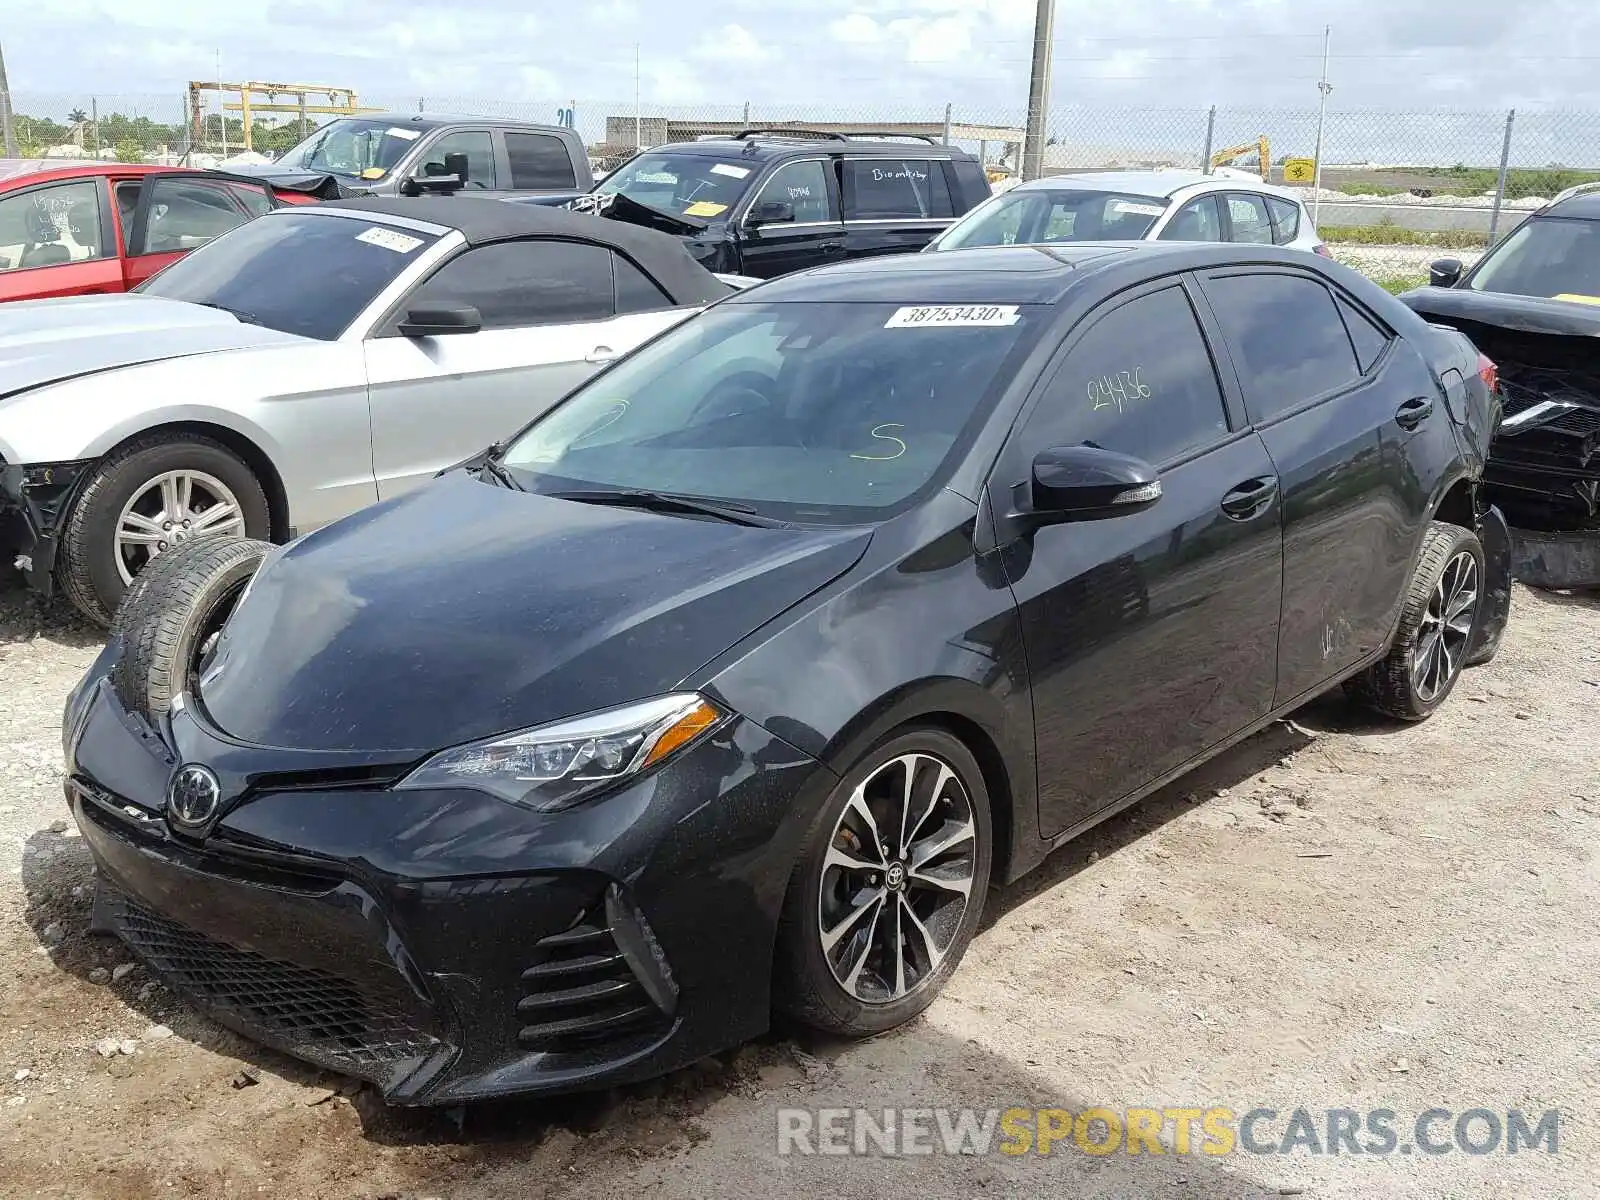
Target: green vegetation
[(1399, 283), (1389, 234), (1461, 180), (136, 136)]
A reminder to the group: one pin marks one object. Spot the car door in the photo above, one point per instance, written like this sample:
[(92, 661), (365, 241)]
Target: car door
[(1346, 433), (893, 205), (56, 239), (538, 162), (1197, 220), (1150, 637), (550, 319), (174, 213), (1248, 221), (812, 235), (478, 145)]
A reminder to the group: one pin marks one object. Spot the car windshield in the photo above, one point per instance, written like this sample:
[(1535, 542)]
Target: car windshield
[(299, 272), (356, 148), (1553, 257), (686, 185), (824, 413), (1032, 217)]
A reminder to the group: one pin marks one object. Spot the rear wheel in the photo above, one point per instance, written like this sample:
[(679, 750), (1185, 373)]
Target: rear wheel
[(889, 888), (152, 495), (1436, 628)]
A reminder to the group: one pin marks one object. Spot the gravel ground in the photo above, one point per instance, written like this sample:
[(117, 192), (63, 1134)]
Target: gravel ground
[(1335, 914), (1391, 262)]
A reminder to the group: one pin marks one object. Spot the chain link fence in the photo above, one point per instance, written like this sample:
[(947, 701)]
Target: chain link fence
[(1397, 188)]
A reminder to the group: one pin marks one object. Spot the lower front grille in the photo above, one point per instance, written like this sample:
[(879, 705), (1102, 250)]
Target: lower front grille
[(309, 1012)]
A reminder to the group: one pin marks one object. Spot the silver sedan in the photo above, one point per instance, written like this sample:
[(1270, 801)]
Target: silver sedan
[(310, 363)]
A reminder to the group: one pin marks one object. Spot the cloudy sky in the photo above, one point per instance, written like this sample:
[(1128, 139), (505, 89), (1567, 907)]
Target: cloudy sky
[(882, 55)]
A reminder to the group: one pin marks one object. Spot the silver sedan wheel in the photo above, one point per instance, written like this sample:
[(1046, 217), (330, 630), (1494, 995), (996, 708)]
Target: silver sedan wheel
[(169, 510), (1446, 627), (897, 878)]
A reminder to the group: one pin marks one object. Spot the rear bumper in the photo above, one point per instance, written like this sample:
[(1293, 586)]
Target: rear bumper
[(447, 946)]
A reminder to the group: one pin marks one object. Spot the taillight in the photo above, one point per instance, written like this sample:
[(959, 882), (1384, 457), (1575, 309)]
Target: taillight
[(1488, 371), (1323, 250)]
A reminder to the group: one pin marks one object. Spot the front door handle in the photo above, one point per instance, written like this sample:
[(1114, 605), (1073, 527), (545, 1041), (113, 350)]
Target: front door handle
[(600, 355), (832, 247), (1250, 498), (1414, 412)]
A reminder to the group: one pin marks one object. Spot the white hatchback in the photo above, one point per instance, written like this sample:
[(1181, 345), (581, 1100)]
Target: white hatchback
[(1136, 206)]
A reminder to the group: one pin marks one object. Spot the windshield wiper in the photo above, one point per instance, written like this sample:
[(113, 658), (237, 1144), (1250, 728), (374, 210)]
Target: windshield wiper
[(729, 511), (237, 314), (493, 466)]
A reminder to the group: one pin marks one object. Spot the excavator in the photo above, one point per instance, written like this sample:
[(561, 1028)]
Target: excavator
[(1259, 148)]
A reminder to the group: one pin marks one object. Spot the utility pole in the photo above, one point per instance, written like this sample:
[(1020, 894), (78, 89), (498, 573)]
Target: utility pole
[(1324, 87), (1038, 90), (638, 112), (9, 133)]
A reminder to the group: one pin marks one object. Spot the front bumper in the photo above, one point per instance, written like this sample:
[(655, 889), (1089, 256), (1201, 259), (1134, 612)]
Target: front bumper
[(447, 946)]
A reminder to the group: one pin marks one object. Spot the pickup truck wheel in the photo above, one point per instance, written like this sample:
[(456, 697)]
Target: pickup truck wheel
[(1436, 627), (152, 495), (889, 887), (171, 622)]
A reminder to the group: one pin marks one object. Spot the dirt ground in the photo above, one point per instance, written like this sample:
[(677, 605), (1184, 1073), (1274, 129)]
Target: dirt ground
[(1337, 914)]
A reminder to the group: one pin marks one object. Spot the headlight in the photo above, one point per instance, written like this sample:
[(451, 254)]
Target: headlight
[(555, 766)]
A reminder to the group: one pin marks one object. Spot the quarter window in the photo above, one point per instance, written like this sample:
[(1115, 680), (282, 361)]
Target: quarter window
[(1285, 219), (804, 187), (884, 188), (478, 146), (1248, 215), (525, 283), (1141, 381), (1289, 341), (636, 291), (539, 161), (1196, 221), (51, 226), (1370, 341)]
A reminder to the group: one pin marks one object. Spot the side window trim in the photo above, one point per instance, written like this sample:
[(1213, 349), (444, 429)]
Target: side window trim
[(830, 181), (1040, 388), (1360, 381)]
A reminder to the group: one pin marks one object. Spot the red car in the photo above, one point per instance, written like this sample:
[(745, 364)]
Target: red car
[(72, 228)]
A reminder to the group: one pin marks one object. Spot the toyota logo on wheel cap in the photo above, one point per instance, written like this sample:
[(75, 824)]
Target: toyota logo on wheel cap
[(193, 796)]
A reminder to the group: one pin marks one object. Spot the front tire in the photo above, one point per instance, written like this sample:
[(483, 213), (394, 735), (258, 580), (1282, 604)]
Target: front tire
[(1436, 627), (889, 887), (153, 494)]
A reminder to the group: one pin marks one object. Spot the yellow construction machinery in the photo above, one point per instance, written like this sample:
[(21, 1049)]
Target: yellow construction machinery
[(1259, 147)]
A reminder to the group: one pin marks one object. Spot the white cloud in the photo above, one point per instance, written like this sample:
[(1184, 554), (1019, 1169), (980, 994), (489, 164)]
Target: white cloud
[(857, 29), (733, 44)]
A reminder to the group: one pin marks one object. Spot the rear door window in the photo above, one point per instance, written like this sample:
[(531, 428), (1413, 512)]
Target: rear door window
[(182, 212), (1140, 381), (1288, 339), (887, 188), (1285, 219), (1248, 216), (1197, 221), (539, 162)]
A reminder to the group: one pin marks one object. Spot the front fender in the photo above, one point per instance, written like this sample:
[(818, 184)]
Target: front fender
[(133, 425)]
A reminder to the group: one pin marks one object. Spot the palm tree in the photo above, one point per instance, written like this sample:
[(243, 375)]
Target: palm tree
[(77, 116)]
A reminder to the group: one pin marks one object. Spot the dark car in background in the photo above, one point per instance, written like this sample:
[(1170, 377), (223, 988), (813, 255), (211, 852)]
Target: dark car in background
[(403, 154), (763, 203), (87, 228), (1532, 304), (736, 679)]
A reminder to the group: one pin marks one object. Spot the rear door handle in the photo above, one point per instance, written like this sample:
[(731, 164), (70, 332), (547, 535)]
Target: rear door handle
[(600, 355), (832, 247), (1413, 412), (1250, 498)]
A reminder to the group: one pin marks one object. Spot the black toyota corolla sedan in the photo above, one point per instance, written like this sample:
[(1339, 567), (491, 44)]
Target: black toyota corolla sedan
[(734, 682)]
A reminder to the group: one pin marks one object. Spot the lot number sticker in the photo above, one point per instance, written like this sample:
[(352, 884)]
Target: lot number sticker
[(919, 316), (730, 170), (390, 240), (405, 135)]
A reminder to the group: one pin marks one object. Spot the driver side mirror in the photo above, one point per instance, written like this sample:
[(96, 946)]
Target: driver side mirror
[(770, 212), (1445, 272), (436, 320), (1086, 483)]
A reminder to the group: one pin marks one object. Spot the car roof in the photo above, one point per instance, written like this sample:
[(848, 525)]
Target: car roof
[(776, 146), (1584, 206), (430, 120), (1158, 185), (483, 220), (1008, 274), (15, 172)]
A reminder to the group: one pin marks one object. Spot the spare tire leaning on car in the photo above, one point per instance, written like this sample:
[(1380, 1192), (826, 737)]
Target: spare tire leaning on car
[(171, 614)]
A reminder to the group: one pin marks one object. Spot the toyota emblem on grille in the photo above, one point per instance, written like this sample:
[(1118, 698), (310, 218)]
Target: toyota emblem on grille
[(193, 796)]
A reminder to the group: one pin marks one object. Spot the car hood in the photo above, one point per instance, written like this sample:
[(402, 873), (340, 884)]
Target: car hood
[(1525, 314), (47, 341), (463, 609)]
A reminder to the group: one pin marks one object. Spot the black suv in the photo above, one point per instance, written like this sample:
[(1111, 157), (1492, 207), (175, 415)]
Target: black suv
[(765, 202)]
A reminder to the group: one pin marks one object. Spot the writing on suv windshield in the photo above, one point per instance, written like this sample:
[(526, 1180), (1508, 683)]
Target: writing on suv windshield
[(686, 185), (825, 413), (1551, 257), (359, 149), (298, 272)]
